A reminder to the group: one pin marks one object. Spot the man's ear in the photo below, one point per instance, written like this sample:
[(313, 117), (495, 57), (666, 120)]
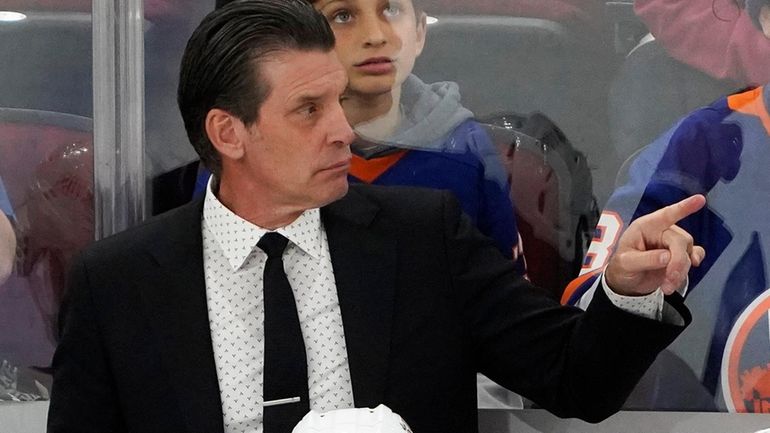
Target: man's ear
[(764, 20), (226, 132), (422, 28)]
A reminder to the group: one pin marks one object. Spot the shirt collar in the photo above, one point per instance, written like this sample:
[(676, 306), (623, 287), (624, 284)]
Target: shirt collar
[(237, 238)]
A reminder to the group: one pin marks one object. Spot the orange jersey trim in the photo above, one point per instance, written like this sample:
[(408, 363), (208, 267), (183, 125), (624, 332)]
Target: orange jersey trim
[(751, 103), (368, 170), (740, 341), (575, 284)]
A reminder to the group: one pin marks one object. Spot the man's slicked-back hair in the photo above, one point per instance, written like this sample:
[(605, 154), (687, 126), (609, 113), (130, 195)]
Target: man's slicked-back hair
[(221, 63)]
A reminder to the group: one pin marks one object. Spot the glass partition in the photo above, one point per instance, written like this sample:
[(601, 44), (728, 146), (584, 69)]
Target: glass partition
[(580, 113), (46, 186)]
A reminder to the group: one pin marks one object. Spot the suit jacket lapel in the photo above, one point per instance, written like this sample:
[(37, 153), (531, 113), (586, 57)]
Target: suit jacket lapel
[(174, 293), (364, 262), (175, 296)]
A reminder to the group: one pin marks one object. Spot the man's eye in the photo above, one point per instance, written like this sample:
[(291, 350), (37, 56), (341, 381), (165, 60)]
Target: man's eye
[(309, 110), (341, 17)]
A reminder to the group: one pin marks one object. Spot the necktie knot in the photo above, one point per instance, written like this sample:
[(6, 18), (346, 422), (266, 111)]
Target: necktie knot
[(273, 244)]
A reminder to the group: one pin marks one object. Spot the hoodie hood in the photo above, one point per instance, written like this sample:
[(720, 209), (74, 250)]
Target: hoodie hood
[(430, 113), (432, 119)]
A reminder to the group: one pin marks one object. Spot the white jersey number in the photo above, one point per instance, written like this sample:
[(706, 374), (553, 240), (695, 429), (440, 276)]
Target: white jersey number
[(608, 231)]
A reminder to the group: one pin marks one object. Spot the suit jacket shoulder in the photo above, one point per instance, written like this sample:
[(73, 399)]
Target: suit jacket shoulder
[(169, 233)]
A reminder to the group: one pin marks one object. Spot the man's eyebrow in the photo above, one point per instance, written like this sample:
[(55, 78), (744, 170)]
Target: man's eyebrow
[(309, 95), (304, 98)]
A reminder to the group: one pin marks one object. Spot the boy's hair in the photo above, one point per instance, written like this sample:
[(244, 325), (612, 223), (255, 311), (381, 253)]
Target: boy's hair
[(221, 63)]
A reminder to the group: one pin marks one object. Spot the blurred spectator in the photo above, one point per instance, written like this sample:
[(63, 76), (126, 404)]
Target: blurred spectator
[(697, 51), (721, 151), (570, 59), (49, 161), (714, 36), (650, 93)]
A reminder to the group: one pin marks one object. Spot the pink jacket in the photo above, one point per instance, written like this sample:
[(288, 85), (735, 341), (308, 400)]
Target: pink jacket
[(715, 36)]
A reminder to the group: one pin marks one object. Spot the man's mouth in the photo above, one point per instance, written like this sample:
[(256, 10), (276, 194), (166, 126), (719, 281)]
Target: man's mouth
[(342, 165)]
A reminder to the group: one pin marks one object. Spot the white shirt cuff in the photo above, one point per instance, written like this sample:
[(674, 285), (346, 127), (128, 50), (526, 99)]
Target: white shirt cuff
[(649, 306)]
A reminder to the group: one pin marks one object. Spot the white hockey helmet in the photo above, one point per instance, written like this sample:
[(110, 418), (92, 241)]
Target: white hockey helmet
[(360, 420)]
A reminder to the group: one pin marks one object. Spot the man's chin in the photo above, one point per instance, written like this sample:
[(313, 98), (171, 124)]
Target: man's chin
[(337, 194)]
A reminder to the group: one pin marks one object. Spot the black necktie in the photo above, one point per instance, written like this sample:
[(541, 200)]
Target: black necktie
[(285, 369)]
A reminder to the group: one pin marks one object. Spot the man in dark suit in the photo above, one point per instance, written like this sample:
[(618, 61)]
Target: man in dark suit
[(169, 326)]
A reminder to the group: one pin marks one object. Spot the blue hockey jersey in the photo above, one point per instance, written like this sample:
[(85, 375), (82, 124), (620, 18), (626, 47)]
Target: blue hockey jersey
[(483, 197), (722, 151), (5, 201)]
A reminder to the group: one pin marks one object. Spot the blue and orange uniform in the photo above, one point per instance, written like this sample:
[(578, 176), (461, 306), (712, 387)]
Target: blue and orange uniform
[(483, 197), (723, 152), (5, 202)]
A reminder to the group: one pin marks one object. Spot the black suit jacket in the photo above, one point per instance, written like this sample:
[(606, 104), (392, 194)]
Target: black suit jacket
[(426, 302)]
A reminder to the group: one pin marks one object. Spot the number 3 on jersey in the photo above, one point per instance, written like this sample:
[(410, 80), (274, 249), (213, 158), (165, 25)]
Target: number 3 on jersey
[(607, 233)]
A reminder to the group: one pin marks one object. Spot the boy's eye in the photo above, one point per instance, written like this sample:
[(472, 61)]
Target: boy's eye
[(341, 17), (392, 10)]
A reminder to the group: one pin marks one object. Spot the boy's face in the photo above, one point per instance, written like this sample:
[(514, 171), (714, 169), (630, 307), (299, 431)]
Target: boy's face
[(377, 41)]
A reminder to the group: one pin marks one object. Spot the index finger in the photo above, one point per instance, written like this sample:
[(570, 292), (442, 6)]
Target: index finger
[(670, 215)]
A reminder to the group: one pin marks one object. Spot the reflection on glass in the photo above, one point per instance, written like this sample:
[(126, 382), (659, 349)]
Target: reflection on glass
[(417, 134), (413, 133), (10, 16), (722, 362), (720, 151), (578, 65), (46, 171), (551, 185), (46, 163)]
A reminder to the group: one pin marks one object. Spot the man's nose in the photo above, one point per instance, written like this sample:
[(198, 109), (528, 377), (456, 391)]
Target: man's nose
[(342, 132)]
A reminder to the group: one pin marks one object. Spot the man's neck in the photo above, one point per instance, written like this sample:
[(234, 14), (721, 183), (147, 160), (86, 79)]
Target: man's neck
[(267, 214)]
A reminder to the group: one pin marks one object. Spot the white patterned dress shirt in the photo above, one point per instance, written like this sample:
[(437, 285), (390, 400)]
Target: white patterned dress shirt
[(234, 267)]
